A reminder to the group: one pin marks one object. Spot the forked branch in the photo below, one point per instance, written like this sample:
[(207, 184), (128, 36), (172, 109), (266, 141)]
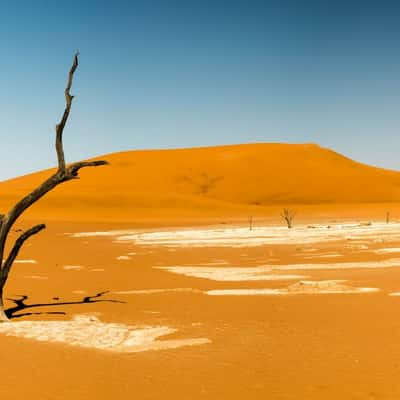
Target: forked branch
[(64, 173), (73, 169), (17, 246)]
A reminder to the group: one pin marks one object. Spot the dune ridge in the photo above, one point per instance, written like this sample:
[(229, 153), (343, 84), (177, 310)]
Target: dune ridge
[(209, 181)]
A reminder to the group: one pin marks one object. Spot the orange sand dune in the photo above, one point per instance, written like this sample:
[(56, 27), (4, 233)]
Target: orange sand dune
[(211, 181)]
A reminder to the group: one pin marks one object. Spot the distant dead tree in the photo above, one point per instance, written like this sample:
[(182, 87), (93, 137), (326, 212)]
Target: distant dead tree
[(288, 215), (251, 223), (63, 174), (387, 217)]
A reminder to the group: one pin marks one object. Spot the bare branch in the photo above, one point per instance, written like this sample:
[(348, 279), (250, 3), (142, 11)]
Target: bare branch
[(59, 177), (61, 125), (73, 169), (16, 248)]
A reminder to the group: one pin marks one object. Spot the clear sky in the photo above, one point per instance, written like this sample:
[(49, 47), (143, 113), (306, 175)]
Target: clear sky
[(167, 74)]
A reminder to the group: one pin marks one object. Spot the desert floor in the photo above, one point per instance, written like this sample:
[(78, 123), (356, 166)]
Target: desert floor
[(336, 339)]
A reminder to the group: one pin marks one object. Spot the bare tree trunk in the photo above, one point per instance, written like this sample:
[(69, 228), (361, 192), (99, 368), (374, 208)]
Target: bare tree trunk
[(3, 316), (288, 216), (63, 174)]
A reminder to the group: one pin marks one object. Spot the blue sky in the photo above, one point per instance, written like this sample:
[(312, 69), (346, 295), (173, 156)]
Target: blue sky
[(167, 74)]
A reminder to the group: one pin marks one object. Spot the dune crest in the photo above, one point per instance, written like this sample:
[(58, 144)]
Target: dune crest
[(202, 181)]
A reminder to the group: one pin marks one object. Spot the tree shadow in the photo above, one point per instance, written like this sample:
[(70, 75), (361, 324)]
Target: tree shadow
[(20, 305)]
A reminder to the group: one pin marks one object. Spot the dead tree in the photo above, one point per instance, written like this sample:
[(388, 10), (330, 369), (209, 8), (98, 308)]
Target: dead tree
[(288, 216), (251, 223), (63, 174)]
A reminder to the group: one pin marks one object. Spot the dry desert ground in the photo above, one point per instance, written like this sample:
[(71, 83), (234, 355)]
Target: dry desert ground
[(149, 283)]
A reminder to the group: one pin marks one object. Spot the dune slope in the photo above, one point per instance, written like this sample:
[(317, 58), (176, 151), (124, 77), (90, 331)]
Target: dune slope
[(203, 181)]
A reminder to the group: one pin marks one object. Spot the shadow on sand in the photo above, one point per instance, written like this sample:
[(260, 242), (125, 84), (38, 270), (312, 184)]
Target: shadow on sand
[(20, 305)]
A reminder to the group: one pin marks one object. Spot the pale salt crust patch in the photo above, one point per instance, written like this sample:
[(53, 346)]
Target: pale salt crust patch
[(387, 250), (73, 267), (390, 263), (215, 263), (157, 291), (268, 272), (90, 332), (38, 277), (357, 247), (302, 287), (123, 258), (231, 274), (243, 237), (311, 257), (25, 261)]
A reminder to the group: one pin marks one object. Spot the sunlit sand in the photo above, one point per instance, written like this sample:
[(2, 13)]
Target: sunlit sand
[(180, 294)]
